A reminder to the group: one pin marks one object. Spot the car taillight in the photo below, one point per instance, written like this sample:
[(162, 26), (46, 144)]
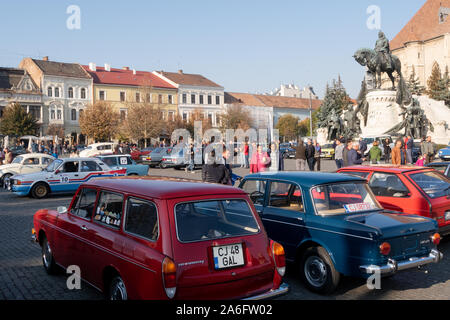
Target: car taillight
[(278, 257), (385, 248), (169, 273), (436, 238)]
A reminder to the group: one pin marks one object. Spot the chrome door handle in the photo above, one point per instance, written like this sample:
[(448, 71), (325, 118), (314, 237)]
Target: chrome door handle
[(84, 228)]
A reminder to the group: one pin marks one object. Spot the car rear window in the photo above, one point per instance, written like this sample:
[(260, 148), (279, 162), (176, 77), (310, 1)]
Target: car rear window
[(216, 219), (432, 183)]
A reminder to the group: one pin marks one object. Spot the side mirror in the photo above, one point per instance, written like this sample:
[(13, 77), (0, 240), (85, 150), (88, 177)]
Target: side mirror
[(57, 171), (61, 210)]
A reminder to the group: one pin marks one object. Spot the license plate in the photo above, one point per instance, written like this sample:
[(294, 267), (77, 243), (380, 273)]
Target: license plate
[(228, 256)]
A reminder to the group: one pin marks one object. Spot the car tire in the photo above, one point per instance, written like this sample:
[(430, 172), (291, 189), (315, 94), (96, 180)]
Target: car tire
[(47, 258), (318, 272), (117, 289), (2, 179), (39, 191), (163, 166)]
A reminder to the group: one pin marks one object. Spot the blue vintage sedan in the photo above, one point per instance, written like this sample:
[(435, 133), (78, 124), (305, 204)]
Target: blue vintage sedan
[(444, 153), (125, 161), (331, 225)]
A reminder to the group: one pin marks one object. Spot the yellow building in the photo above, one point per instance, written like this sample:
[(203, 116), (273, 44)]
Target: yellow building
[(123, 87)]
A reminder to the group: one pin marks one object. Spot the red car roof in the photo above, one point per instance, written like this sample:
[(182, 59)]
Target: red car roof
[(386, 168), (162, 187)]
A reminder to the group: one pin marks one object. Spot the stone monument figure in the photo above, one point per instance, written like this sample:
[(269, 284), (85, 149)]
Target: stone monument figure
[(351, 121), (334, 125)]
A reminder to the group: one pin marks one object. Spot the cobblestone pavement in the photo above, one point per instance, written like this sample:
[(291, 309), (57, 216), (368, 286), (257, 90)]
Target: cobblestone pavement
[(22, 275)]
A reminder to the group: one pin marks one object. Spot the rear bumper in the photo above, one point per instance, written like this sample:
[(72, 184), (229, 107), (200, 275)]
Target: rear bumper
[(283, 289), (394, 266)]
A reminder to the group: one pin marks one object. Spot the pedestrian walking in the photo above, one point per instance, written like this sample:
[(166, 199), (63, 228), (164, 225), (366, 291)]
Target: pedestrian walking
[(408, 143), (387, 150), (214, 171), (8, 156), (300, 156), (397, 153), (375, 153), (427, 149), (259, 161), (318, 151), (310, 153), (347, 148), (339, 154)]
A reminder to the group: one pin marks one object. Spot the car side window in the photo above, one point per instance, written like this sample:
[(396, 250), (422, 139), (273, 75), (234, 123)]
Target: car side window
[(31, 161), (256, 190), (357, 173), (70, 166), (388, 185), (142, 219), (110, 161), (46, 160), (285, 196), (109, 209), (84, 204), (89, 166)]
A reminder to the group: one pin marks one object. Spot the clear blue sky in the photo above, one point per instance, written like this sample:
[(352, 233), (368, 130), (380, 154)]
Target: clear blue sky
[(246, 46)]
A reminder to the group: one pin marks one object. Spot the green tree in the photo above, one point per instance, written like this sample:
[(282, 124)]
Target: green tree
[(288, 127), (17, 122), (235, 117), (336, 98), (414, 84), (439, 85)]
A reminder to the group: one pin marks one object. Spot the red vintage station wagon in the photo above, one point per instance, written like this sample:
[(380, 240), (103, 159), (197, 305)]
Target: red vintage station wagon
[(409, 189), (143, 238)]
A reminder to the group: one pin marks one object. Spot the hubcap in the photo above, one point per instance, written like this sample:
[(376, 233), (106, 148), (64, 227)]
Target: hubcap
[(41, 191), (47, 254), (316, 271), (119, 291)]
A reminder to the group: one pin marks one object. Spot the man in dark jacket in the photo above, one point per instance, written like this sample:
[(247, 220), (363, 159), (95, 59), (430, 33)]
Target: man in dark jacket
[(310, 152), (353, 156), (215, 171), (347, 148), (300, 156)]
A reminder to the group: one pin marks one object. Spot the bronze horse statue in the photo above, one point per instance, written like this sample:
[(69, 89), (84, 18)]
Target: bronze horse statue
[(376, 64)]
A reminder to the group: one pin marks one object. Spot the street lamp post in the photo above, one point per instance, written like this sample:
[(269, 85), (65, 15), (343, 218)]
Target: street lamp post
[(310, 115)]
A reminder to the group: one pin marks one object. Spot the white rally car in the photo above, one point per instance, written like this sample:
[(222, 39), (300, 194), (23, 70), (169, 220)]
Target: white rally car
[(61, 176), (25, 163)]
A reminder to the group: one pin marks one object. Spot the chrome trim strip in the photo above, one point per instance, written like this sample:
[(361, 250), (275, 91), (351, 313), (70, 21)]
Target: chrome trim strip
[(283, 289), (393, 266), (324, 230)]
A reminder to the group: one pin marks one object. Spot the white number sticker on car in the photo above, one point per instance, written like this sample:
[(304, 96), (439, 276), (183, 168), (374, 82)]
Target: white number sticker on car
[(64, 179)]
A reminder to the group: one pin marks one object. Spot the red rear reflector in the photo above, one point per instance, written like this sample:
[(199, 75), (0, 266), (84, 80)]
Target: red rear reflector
[(385, 248), (436, 238)]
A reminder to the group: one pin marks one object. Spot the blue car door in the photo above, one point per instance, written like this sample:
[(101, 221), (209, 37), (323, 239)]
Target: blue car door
[(284, 216)]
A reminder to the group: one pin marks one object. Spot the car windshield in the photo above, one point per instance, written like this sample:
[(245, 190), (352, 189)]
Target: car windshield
[(52, 166), (17, 160), (433, 184), (343, 198), (327, 146), (369, 140), (206, 220)]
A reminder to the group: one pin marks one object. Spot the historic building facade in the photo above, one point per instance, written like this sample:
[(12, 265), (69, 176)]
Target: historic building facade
[(16, 86), (293, 91), (196, 93), (123, 87), (66, 91), (424, 40)]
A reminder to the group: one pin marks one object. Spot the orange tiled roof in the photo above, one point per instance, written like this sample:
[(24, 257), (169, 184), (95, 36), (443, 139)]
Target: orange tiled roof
[(424, 25), (259, 100)]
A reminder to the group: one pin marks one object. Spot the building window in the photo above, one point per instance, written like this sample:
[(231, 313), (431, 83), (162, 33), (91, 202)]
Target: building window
[(217, 99), (35, 112), (192, 98), (101, 95), (56, 92), (73, 114), (83, 93), (123, 114), (122, 96), (50, 91), (80, 112), (171, 115), (148, 97), (209, 99), (138, 97), (184, 98), (70, 93), (170, 99), (52, 114), (58, 114), (210, 118), (160, 98), (185, 116), (201, 99)]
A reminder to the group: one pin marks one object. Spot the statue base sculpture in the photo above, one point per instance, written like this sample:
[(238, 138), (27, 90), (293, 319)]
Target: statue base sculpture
[(322, 135), (439, 115), (383, 113)]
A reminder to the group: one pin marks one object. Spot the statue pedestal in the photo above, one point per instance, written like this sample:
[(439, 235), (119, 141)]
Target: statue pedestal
[(383, 113), (322, 136)]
